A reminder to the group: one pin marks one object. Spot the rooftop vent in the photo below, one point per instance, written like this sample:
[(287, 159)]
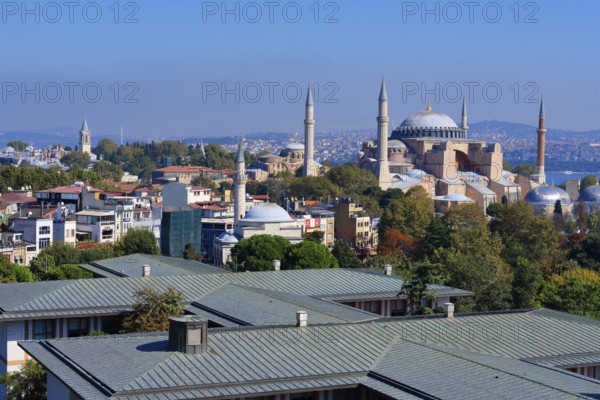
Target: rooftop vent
[(449, 310), (387, 269), (277, 265), (188, 334), (145, 270), (301, 319)]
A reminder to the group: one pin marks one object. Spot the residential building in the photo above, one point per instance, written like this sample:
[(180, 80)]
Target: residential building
[(181, 195), (36, 229), (354, 226), (96, 225), (69, 196), (181, 174)]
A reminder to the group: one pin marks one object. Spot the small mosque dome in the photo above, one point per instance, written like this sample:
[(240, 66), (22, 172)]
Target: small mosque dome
[(590, 194), (267, 212), (547, 195)]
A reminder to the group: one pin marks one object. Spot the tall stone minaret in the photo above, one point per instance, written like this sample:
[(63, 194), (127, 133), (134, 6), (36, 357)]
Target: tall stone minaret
[(239, 182), (309, 136), (85, 138), (464, 125), (541, 144), (382, 168)]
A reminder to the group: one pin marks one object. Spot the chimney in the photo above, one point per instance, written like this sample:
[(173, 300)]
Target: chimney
[(301, 319), (145, 270), (388, 269), (188, 334), (277, 265), (449, 310)]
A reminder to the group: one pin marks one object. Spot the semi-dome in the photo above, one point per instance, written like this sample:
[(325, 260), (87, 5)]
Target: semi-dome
[(227, 237), (429, 124), (547, 195), (396, 144), (590, 194), (267, 212)]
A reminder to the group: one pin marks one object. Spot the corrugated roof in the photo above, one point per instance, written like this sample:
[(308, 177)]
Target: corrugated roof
[(473, 356)]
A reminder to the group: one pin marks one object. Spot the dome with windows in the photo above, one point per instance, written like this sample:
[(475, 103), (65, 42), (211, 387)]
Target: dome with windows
[(267, 212), (429, 123)]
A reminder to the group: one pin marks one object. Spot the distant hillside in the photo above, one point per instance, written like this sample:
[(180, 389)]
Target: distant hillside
[(510, 130)]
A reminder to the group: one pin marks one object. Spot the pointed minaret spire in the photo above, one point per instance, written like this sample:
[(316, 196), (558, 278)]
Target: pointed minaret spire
[(541, 144), (382, 168), (239, 185), (464, 125), (202, 148), (85, 138), (309, 168)]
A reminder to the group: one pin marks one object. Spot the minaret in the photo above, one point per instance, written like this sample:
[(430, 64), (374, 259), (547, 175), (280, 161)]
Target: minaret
[(309, 136), (239, 182), (202, 148), (541, 144), (85, 138), (382, 168), (464, 125)]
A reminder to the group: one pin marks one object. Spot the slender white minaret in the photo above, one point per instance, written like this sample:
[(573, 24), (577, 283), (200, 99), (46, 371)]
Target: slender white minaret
[(464, 125), (202, 148), (85, 138), (239, 182), (309, 136), (382, 168), (541, 144)]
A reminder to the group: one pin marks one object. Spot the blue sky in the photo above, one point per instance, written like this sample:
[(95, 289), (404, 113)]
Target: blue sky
[(175, 61)]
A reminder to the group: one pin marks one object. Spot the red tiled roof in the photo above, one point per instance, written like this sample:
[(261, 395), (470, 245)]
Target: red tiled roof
[(200, 188), (68, 189), (260, 196), (16, 198), (179, 169), (213, 207)]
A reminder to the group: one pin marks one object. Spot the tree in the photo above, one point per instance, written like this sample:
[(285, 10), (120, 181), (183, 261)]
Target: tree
[(11, 273), (313, 188), (62, 253), (18, 145), (398, 244), (308, 255), (315, 236), (526, 170), (473, 262), (204, 182), (587, 181), (526, 235), (351, 179), (29, 383), (258, 252), (411, 214), (557, 216), (576, 291), (108, 170), (106, 148), (587, 252), (76, 159), (66, 271), (345, 255), (152, 310), (189, 253), (492, 209), (417, 278), (526, 284), (137, 241)]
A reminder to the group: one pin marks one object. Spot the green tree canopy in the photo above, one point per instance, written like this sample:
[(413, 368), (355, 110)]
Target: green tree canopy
[(76, 159), (351, 179), (587, 252), (526, 170), (137, 241), (417, 278), (11, 273), (526, 284), (313, 188), (152, 310), (29, 383), (576, 291), (345, 255), (108, 170), (410, 214), (258, 252), (106, 148), (18, 145), (587, 181), (308, 255)]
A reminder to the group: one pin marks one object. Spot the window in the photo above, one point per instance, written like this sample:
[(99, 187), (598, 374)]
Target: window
[(77, 327), (330, 226), (397, 307), (44, 230), (43, 243), (43, 329), (373, 307), (112, 325)]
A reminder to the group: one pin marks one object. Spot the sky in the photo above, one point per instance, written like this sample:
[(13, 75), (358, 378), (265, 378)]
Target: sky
[(188, 68)]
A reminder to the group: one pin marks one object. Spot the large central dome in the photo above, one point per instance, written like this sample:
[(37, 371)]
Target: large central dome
[(429, 119), (267, 212), (429, 124)]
